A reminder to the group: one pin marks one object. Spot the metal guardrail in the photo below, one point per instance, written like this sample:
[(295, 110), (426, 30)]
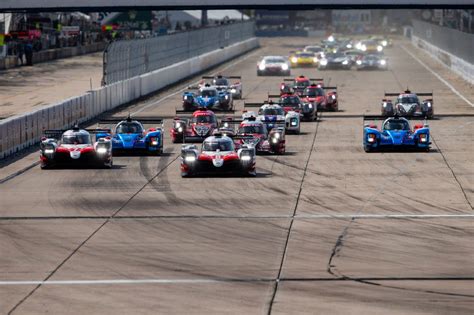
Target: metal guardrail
[(450, 40), (130, 58)]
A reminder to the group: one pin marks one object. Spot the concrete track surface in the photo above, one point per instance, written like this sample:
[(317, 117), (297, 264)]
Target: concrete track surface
[(324, 229)]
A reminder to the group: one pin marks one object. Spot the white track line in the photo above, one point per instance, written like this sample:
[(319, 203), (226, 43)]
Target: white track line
[(438, 76), (382, 216), (126, 281), (186, 87)]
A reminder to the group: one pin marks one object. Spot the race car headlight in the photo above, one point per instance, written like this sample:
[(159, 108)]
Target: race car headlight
[(345, 62), (246, 158), (153, 141), (331, 38), (315, 59), (371, 138), (48, 151), (261, 66), (323, 62), (363, 47), (226, 125), (428, 104), (226, 97), (284, 67), (333, 97), (384, 104), (276, 136), (233, 91), (384, 43), (423, 137), (190, 158), (379, 48), (180, 129), (217, 102), (101, 150), (383, 62), (294, 122), (310, 105), (294, 60), (359, 62), (349, 46)]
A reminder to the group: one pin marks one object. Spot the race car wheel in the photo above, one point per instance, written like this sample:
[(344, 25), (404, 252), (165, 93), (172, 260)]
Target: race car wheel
[(109, 164), (45, 166), (367, 149)]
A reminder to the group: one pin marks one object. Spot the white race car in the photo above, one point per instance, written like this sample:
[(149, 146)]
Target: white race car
[(274, 114)]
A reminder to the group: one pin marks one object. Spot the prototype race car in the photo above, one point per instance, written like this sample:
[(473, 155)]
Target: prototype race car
[(369, 46), (316, 95), (297, 84), (318, 51), (273, 65), (130, 135), (395, 132), (292, 102), (303, 59), (196, 128), (382, 40), (208, 97), (222, 83), (408, 104), (253, 132), (218, 154), (273, 115), (335, 60), (372, 61), (75, 147)]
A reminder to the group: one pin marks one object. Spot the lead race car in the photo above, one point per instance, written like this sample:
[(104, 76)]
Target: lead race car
[(218, 155), (222, 83), (273, 65), (253, 132), (408, 104), (130, 135), (395, 132), (75, 147), (209, 97), (273, 114)]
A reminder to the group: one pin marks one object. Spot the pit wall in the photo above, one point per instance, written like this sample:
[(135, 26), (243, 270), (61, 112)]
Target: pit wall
[(22, 131)]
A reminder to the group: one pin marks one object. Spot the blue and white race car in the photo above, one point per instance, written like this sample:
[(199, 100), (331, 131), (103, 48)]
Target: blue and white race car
[(395, 133), (208, 97), (130, 135)]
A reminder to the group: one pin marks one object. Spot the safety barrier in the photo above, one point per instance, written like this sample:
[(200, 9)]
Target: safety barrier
[(130, 58), (20, 132)]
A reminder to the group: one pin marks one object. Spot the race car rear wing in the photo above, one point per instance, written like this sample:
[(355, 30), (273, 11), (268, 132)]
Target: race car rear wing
[(207, 77), (260, 104), (190, 111), (382, 117), (57, 133), (311, 79), (419, 94), (144, 120)]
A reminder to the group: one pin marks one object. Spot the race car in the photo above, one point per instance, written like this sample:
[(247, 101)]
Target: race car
[(382, 40), (222, 83), (218, 155), (196, 128), (369, 46), (273, 65), (303, 59), (297, 84), (253, 132), (316, 95), (395, 133), (335, 60), (273, 115), (75, 147), (318, 51), (292, 102), (208, 97), (130, 135), (372, 61), (408, 104), (354, 55)]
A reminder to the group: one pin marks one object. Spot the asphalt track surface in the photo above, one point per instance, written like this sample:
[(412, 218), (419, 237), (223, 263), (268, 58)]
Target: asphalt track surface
[(323, 229)]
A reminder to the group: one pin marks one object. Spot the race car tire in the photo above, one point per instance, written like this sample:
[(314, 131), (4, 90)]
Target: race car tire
[(108, 165), (45, 166), (367, 149)]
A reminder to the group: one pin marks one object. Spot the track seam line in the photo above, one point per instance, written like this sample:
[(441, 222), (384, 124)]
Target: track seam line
[(90, 236), (285, 250)]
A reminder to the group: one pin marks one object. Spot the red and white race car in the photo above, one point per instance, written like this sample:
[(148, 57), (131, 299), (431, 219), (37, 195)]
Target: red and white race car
[(297, 84), (75, 147), (196, 128), (218, 155), (322, 97)]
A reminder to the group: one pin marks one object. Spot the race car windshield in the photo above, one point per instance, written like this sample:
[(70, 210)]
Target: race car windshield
[(293, 101), (129, 127), (215, 145), (305, 55), (371, 58), (204, 119), (221, 81), (302, 84), (408, 99), (250, 129), (208, 93), (314, 49), (76, 139), (396, 125), (274, 60), (271, 111), (335, 55), (313, 92)]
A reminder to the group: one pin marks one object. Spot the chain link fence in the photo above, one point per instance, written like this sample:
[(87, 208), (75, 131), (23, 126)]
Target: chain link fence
[(453, 41), (127, 59)]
